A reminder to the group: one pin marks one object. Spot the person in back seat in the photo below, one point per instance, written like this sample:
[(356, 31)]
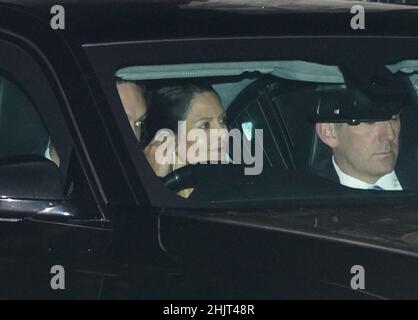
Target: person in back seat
[(134, 103), (133, 100)]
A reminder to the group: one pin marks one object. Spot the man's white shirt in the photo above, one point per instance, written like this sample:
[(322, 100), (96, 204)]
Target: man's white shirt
[(387, 182)]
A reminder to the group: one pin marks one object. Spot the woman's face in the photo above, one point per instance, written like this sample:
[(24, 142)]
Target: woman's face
[(206, 113)]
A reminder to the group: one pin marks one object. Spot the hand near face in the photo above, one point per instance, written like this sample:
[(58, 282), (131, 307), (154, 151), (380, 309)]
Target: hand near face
[(133, 101), (160, 170)]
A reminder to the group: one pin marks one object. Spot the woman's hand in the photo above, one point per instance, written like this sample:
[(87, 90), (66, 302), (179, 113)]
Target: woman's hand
[(160, 170)]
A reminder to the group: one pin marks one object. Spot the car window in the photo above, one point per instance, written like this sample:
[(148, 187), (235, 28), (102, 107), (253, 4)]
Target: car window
[(32, 130), (22, 131), (23, 135), (265, 118)]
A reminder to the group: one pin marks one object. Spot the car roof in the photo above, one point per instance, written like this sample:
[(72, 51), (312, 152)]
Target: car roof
[(299, 5), (98, 21)]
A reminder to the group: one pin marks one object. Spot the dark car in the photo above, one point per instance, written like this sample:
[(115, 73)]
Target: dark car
[(82, 214)]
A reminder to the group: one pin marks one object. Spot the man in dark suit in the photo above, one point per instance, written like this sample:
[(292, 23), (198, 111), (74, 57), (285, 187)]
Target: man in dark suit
[(364, 140), (405, 171)]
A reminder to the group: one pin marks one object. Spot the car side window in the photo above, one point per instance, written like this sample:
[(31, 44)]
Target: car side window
[(22, 131), (212, 136)]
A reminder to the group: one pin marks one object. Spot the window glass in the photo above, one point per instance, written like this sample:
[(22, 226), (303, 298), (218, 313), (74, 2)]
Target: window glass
[(264, 131), (22, 132)]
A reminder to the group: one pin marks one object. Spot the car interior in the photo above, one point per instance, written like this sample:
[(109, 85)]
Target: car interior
[(278, 97)]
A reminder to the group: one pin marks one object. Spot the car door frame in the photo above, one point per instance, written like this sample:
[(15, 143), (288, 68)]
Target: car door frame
[(54, 232)]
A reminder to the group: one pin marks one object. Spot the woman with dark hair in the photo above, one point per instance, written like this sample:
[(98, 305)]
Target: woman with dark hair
[(181, 109)]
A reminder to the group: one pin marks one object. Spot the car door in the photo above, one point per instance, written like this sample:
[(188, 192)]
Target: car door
[(50, 224)]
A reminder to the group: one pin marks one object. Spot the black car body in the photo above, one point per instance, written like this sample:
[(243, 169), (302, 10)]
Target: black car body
[(105, 218)]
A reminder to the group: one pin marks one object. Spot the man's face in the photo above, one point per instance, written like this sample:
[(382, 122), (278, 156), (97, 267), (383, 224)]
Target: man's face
[(369, 150), (133, 102)]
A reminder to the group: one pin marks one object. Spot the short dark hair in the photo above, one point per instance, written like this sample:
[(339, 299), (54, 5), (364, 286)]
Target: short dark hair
[(141, 86), (170, 104)]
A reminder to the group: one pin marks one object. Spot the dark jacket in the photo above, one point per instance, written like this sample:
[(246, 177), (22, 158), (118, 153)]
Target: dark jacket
[(405, 169)]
